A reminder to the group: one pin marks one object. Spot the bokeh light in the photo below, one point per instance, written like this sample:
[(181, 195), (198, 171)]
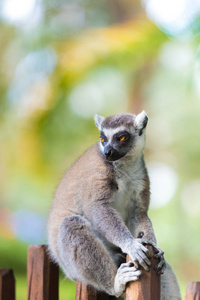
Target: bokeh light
[(22, 12), (163, 183), (64, 61)]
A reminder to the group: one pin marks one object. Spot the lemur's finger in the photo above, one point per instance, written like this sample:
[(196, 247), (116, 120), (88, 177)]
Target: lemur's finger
[(159, 254), (136, 264), (160, 272), (143, 264), (146, 251), (145, 258), (129, 264), (160, 266)]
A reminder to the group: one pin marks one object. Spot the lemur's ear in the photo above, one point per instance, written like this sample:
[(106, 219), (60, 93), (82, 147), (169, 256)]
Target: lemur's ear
[(98, 121), (141, 121)]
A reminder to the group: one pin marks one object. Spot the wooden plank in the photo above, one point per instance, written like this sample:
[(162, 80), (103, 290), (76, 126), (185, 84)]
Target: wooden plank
[(7, 284), (42, 275), (86, 292), (148, 286), (104, 296), (78, 290), (192, 291)]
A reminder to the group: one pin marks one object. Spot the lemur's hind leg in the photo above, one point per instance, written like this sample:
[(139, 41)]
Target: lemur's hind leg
[(84, 258)]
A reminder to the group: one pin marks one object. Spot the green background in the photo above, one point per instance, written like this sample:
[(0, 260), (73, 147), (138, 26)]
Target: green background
[(69, 60)]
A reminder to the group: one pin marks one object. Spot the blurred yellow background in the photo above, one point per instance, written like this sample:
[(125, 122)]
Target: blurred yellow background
[(63, 61)]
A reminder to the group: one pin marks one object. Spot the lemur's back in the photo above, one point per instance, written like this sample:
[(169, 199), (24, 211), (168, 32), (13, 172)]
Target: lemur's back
[(85, 182)]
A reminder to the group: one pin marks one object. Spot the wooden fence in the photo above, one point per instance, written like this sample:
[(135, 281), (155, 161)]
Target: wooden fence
[(42, 282)]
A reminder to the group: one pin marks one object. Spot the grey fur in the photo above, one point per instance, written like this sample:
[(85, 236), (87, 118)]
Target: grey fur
[(100, 208)]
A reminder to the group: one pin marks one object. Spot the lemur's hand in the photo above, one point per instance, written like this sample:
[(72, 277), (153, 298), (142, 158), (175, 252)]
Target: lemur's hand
[(139, 254), (159, 254), (161, 266)]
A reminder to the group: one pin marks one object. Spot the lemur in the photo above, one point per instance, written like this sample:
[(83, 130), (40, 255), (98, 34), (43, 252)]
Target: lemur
[(99, 212)]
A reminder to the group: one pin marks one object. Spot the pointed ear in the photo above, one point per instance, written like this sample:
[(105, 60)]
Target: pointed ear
[(98, 121), (141, 121)]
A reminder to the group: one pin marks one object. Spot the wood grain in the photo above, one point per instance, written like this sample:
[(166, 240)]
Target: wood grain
[(86, 292), (192, 291), (148, 286), (42, 275)]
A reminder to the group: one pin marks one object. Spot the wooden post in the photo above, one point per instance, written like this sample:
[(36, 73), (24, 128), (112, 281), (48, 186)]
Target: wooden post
[(86, 292), (42, 275), (193, 290), (148, 286), (7, 284)]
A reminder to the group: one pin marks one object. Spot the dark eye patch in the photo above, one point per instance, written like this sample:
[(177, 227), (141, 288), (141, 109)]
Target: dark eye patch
[(118, 136), (102, 136)]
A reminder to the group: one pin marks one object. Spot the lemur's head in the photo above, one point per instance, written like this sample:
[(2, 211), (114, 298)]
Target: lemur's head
[(121, 134)]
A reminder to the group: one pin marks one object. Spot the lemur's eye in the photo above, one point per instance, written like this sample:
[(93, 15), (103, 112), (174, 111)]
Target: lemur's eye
[(102, 140), (122, 138)]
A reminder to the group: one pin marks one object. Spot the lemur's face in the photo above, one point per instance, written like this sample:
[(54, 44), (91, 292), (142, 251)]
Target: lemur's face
[(116, 142), (120, 134)]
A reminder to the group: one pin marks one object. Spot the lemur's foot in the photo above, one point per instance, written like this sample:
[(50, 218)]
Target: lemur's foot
[(126, 272)]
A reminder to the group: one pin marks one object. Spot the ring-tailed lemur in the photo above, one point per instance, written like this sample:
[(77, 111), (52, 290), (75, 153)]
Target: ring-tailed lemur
[(99, 212)]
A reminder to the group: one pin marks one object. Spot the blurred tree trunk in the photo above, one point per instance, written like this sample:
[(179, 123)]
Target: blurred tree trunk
[(124, 10), (139, 79)]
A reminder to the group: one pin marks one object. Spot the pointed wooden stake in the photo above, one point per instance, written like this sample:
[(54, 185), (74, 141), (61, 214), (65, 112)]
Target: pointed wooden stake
[(148, 286), (42, 274)]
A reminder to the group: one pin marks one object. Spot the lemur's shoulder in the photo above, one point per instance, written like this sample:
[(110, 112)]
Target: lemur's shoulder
[(91, 177), (92, 163)]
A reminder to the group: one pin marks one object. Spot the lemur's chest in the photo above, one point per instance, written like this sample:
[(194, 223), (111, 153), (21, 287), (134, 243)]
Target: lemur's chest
[(128, 195)]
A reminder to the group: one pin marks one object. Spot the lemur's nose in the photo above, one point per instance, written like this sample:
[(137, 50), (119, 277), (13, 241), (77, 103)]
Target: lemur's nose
[(108, 151)]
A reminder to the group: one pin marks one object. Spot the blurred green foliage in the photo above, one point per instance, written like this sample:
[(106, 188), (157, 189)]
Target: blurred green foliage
[(70, 61)]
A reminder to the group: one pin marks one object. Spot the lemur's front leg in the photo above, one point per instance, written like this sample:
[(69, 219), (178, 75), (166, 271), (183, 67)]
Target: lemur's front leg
[(141, 227)]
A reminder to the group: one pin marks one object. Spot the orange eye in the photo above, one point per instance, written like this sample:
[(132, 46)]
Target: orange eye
[(102, 140), (122, 138)]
